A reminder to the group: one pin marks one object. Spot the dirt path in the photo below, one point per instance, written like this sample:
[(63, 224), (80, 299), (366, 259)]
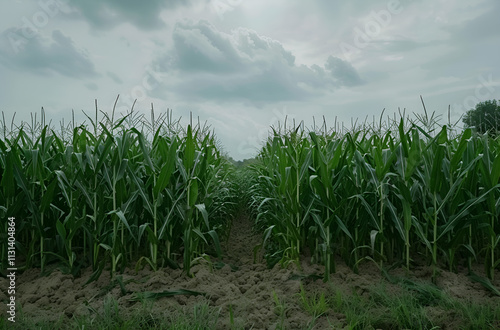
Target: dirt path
[(244, 287), (247, 287), (241, 242)]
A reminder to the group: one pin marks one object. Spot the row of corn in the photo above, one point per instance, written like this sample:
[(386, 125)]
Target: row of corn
[(408, 194), (155, 192), (114, 192)]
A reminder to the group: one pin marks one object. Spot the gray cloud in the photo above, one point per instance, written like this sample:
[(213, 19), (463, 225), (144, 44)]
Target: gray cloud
[(59, 55), (114, 77), (92, 86), (470, 41), (243, 65), (343, 72), (107, 14), (485, 26), (401, 44), (235, 77)]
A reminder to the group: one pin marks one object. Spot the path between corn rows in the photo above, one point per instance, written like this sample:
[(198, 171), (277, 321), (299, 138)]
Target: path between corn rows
[(245, 286)]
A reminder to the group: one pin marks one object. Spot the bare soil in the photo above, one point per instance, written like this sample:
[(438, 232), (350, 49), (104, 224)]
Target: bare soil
[(242, 285)]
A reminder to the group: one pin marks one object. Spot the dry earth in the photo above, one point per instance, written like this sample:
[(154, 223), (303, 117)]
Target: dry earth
[(243, 285)]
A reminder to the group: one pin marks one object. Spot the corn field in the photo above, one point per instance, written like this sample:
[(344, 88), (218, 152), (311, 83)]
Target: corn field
[(131, 190), (116, 192), (409, 191)]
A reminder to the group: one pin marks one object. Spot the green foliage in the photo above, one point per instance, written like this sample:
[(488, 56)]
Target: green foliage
[(315, 304), (410, 189), (110, 315), (485, 117), (417, 305), (120, 191)]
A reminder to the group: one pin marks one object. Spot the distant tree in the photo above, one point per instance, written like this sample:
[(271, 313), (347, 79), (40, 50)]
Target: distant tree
[(484, 118), (242, 163)]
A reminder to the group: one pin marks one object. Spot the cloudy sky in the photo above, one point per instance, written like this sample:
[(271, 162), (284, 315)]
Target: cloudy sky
[(244, 65)]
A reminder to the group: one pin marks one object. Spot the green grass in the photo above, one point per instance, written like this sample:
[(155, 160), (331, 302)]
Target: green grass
[(280, 309), (416, 305), (111, 316), (407, 304), (314, 303)]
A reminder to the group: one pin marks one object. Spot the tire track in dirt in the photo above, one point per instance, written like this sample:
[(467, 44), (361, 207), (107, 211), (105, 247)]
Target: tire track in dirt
[(252, 283), (242, 240)]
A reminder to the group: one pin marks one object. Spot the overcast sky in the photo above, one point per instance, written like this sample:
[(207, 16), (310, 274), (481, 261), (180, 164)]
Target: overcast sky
[(243, 65)]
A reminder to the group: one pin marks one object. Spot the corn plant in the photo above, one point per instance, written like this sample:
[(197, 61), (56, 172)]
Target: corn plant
[(406, 188), (114, 192)]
